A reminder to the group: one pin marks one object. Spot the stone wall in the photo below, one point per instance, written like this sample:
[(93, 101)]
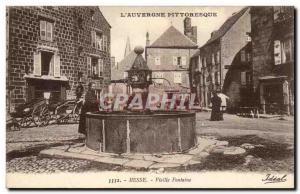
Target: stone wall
[(24, 40)]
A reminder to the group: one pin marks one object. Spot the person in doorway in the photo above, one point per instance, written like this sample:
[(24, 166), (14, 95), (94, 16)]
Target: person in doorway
[(216, 114), (90, 105)]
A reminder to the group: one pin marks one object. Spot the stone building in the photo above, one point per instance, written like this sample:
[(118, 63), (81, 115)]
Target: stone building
[(51, 49), (273, 57), (168, 57), (209, 66)]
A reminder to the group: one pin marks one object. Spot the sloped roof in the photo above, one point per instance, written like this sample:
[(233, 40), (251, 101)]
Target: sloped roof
[(196, 54), (124, 65), (226, 26), (173, 38)]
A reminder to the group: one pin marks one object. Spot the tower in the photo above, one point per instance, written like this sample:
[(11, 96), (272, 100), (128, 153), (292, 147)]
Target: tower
[(127, 48)]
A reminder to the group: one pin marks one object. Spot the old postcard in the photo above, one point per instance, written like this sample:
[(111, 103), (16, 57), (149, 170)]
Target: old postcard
[(150, 97)]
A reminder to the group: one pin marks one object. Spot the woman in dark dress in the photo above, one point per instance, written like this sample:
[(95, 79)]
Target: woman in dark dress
[(90, 105), (216, 114)]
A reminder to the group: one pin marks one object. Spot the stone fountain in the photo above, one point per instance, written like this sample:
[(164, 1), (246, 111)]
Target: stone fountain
[(145, 132)]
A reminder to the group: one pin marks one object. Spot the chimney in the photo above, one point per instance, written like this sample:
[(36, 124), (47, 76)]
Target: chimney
[(189, 30), (187, 26), (147, 39)]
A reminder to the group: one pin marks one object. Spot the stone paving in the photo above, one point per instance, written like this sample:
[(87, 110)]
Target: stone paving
[(146, 161)]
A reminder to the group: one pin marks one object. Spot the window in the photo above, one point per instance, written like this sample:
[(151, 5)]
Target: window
[(177, 78), (283, 52), (99, 41), (179, 61), (157, 60), (100, 67), (46, 63), (204, 62), (243, 78), (212, 59), (158, 75), (243, 55), (95, 67), (46, 30)]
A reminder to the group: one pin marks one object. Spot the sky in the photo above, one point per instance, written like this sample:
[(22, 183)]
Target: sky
[(136, 27)]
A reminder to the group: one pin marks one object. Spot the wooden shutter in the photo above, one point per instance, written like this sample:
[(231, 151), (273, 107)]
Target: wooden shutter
[(49, 31), (37, 66), (157, 60), (89, 66), (277, 52), (243, 78), (177, 78), (218, 57), (100, 67), (93, 35), (174, 60), (56, 66), (200, 63), (183, 61), (43, 30), (51, 66)]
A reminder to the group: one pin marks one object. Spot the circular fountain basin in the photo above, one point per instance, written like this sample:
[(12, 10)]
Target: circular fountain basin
[(135, 132)]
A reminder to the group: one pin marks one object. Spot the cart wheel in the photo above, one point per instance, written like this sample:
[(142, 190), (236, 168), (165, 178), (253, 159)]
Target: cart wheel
[(45, 116), (39, 115), (24, 122)]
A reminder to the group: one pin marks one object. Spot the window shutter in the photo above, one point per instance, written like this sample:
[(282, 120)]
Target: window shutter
[(93, 34), (243, 78), (200, 63), (174, 60), (51, 67), (89, 66), (277, 52), (218, 77), (37, 68), (183, 61), (43, 30), (56, 66), (49, 31), (218, 57), (212, 59), (177, 78), (100, 67), (157, 60)]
